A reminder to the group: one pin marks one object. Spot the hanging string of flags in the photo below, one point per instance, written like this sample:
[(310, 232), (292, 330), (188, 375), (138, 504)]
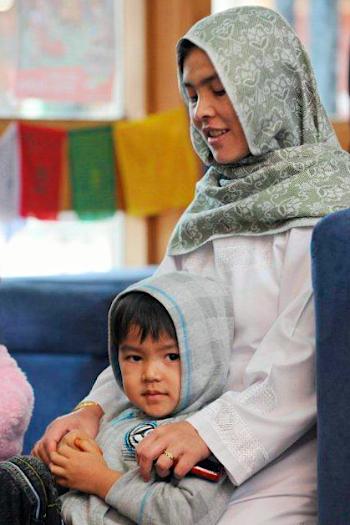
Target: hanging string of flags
[(143, 167)]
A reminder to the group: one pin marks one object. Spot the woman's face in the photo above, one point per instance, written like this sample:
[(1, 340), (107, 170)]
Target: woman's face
[(211, 111)]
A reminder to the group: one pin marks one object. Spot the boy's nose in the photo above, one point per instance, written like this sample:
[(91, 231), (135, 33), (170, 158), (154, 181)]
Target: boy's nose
[(151, 372)]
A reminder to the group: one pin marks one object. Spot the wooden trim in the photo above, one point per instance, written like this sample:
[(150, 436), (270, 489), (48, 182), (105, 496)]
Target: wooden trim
[(167, 21), (342, 130)]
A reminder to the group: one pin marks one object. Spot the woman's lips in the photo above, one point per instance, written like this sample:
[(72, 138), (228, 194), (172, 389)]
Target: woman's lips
[(215, 138)]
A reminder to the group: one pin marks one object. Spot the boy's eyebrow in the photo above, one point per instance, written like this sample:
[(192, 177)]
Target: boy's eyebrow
[(203, 82), (125, 347)]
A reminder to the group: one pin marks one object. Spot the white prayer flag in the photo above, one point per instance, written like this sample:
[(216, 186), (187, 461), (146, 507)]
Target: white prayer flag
[(9, 174)]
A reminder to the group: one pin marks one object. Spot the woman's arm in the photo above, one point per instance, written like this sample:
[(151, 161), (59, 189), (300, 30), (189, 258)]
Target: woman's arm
[(247, 430)]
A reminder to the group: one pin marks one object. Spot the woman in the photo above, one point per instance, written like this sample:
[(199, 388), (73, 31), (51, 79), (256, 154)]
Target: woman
[(275, 168)]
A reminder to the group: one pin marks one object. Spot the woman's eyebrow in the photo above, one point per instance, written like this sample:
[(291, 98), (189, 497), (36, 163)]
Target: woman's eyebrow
[(203, 81)]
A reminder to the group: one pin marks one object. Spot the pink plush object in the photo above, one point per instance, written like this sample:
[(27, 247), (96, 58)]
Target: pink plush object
[(16, 405)]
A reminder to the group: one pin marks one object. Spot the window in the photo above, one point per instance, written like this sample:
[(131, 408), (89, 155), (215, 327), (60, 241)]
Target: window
[(67, 246), (61, 59), (65, 60)]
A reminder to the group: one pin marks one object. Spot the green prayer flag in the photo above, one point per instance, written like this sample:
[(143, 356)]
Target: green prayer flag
[(92, 172)]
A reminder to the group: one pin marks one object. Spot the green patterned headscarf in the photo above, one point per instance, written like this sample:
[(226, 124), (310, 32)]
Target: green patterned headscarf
[(296, 171)]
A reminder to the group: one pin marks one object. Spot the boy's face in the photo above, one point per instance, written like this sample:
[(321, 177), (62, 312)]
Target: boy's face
[(151, 372)]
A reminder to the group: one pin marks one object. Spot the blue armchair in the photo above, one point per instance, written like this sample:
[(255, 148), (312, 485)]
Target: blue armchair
[(331, 281)]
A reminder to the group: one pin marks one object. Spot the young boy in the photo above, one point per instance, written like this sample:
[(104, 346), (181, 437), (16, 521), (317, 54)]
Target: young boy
[(169, 346)]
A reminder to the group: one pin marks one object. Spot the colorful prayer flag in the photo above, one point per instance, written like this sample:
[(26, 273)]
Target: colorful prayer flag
[(92, 172), (41, 169), (157, 165)]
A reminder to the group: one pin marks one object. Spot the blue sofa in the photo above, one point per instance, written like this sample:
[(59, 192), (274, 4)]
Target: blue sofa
[(56, 328), (331, 281)]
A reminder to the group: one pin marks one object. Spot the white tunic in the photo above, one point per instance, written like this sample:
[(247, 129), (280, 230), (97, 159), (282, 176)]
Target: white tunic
[(270, 400)]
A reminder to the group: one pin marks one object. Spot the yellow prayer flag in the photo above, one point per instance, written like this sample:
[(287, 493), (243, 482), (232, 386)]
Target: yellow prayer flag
[(157, 165)]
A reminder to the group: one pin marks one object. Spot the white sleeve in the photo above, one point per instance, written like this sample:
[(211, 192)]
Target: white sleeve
[(246, 430), (105, 392)]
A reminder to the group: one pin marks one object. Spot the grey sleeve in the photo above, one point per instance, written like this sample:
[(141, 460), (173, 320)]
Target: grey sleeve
[(190, 500)]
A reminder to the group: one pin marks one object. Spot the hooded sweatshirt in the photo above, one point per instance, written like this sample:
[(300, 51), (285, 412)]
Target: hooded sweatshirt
[(201, 311)]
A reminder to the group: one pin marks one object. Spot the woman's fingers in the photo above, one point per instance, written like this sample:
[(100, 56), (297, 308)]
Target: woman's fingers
[(43, 450), (147, 455), (166, 462), (176, 446), (53, 434)]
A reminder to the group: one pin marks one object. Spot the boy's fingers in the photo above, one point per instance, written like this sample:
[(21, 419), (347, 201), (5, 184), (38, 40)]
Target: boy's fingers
[(70, 437), (63, 450), (57, 471), (57, 459), (62, 481), (87, 445)]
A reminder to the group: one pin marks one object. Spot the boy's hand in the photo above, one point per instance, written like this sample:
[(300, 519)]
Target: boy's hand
[(83, 469), (78, 440)]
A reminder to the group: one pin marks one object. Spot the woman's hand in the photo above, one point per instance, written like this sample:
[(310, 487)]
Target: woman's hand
[(79, 440), (86, 419), (82, 468), (180, 440)]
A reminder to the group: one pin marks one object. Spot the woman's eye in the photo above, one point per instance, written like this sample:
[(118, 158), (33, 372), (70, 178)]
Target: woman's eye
[(192, 97), (219, 92), (173, 357)]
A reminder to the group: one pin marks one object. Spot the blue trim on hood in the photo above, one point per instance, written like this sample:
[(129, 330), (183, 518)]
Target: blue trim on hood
[(185, 355)]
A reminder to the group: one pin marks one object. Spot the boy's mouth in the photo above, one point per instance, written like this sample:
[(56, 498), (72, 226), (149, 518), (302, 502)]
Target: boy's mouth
[(153, 393)]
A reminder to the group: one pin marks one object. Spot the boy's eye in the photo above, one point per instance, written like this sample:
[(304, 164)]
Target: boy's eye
[(173, 357), (133, 358)]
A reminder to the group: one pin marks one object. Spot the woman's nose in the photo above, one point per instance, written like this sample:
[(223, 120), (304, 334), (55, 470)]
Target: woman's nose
[(203, 109)]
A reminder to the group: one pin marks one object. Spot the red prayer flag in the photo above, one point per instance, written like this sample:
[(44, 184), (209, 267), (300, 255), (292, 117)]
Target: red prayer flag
[(41, 170)]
